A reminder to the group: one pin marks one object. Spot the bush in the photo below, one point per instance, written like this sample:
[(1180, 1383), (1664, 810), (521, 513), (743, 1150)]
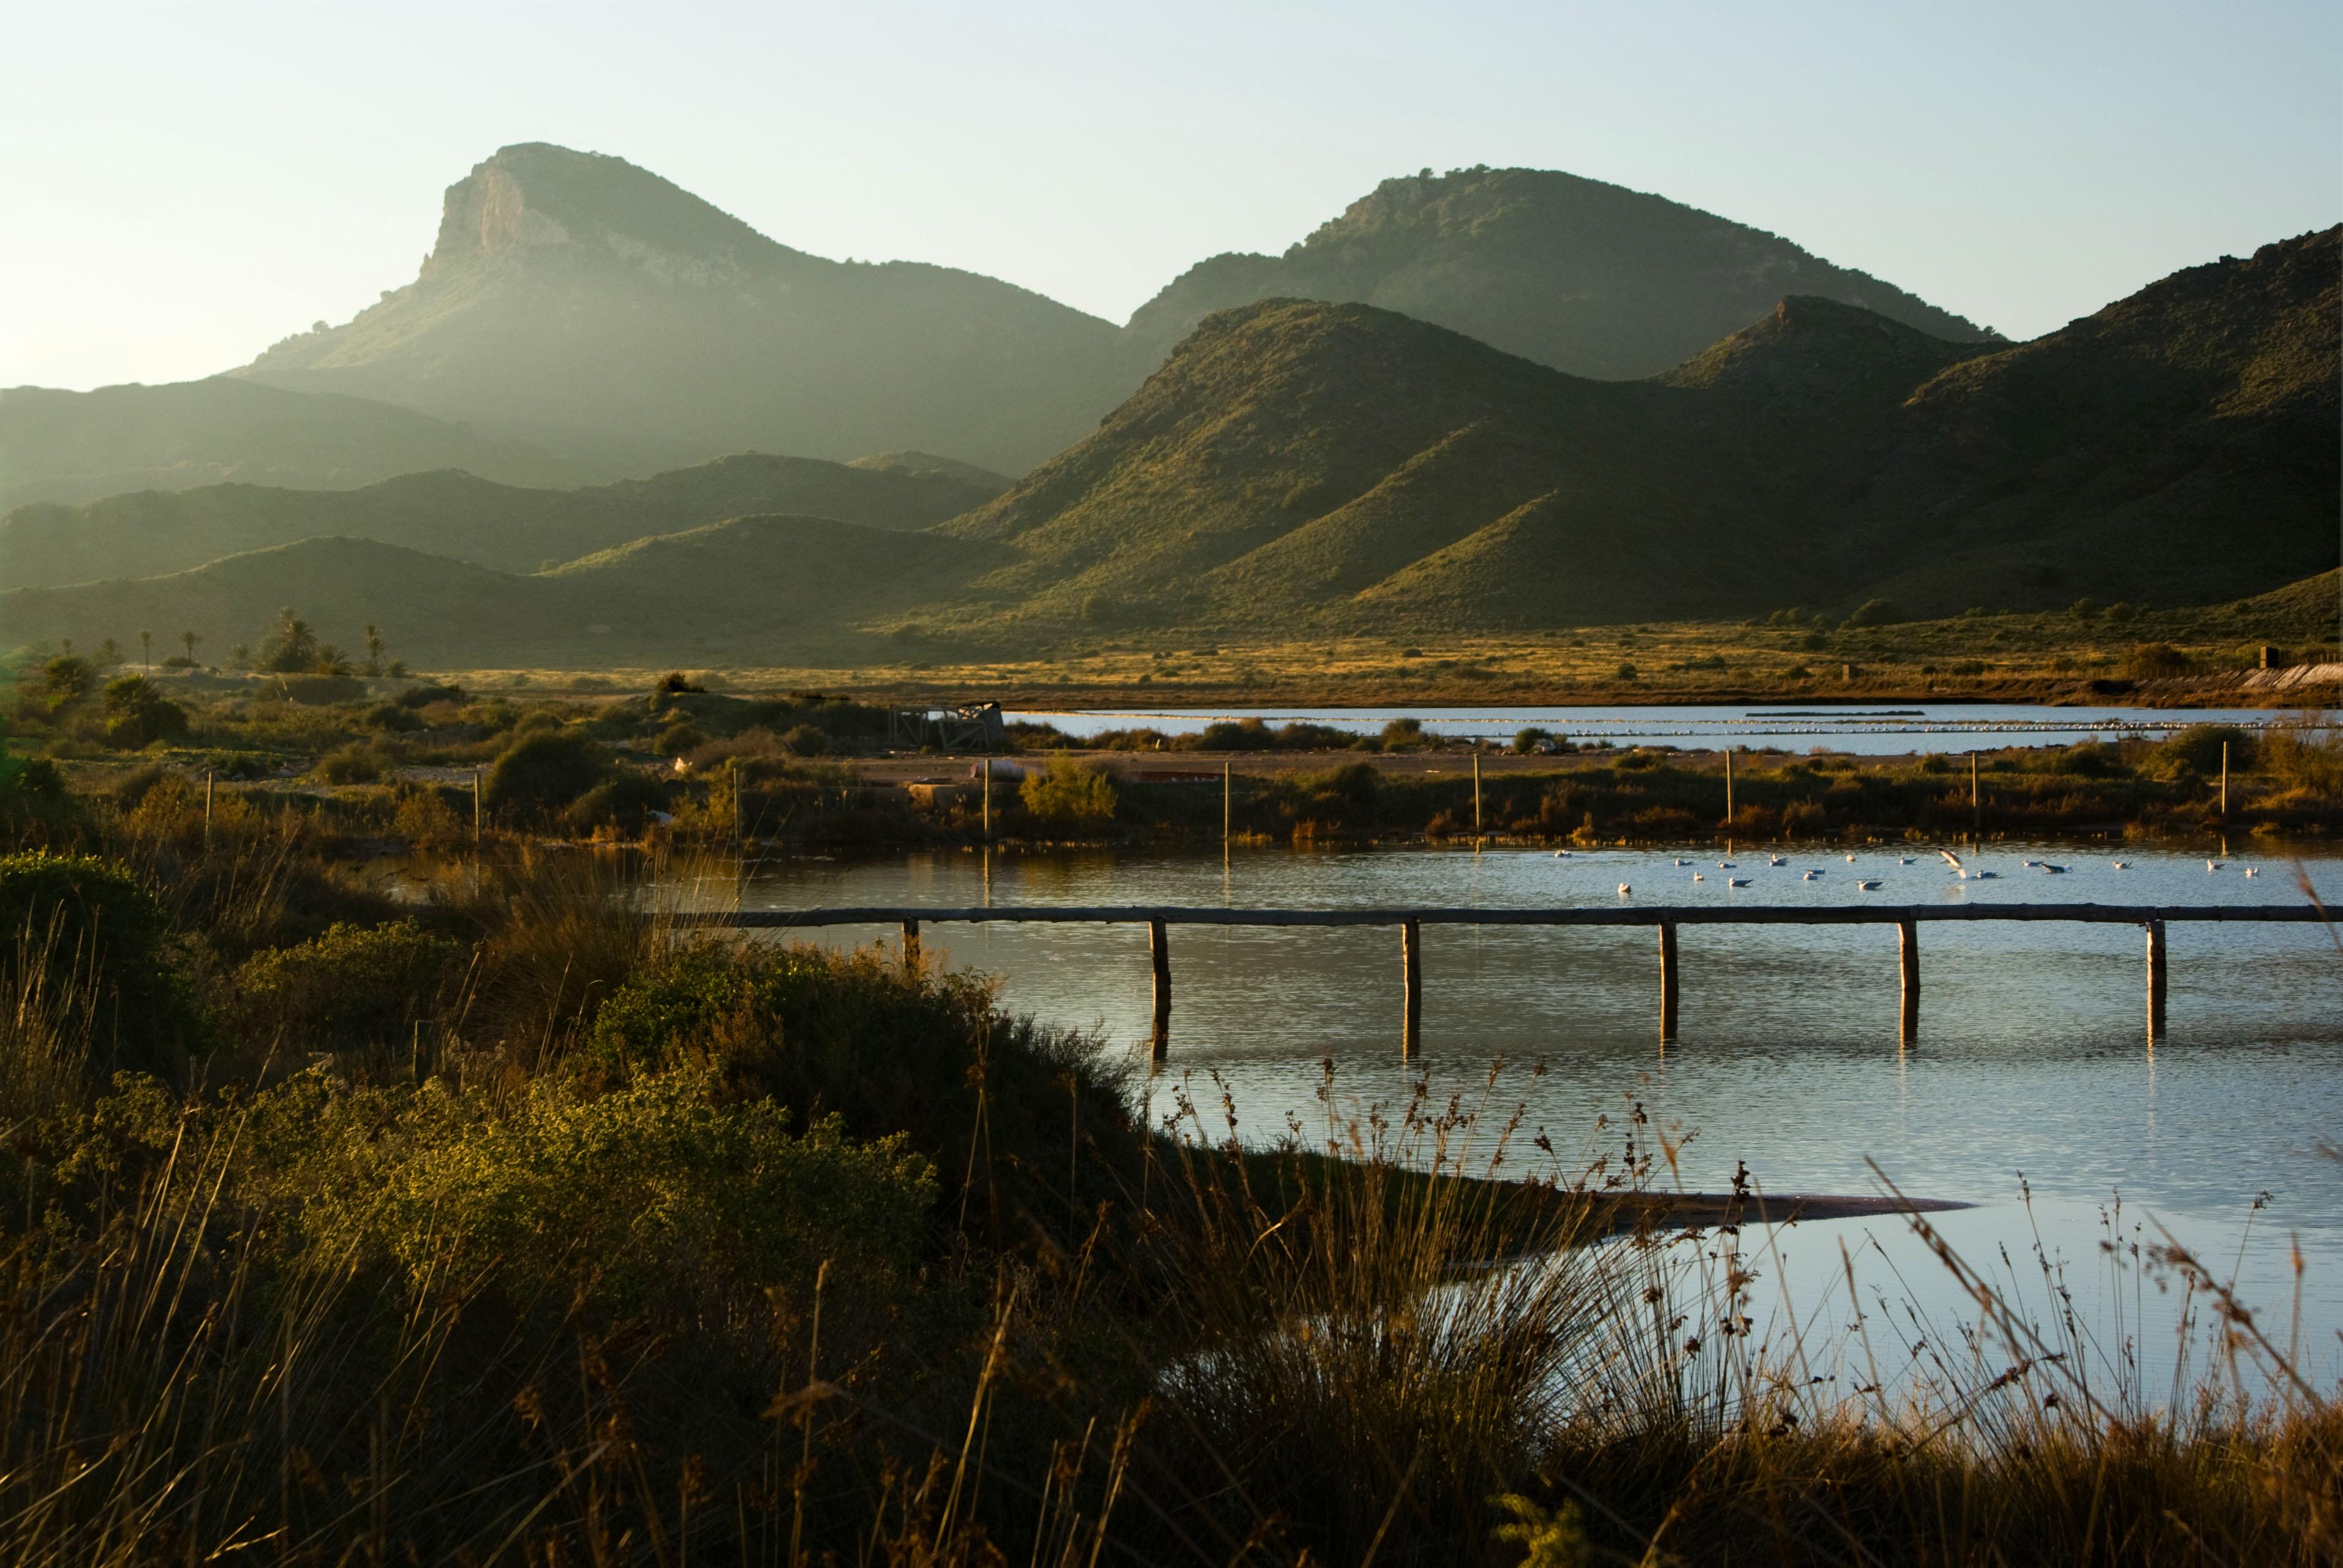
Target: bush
[(1532, 740), (1626, 672), (2155, 661), (432, 814), (2083, 608), (352, 985), (1877, 612), (358, 762), (806, 740), (650, 1197), (2199, 748), (1069, 793), (1407, 735), (679, 737), (79, 926), (545, 771), (887, 1049), (138, 714), (626, 798), (393, 717)]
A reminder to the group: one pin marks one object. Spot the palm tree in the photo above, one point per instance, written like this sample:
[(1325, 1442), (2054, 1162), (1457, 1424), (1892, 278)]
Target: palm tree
[(147, 648), (189, 639), (292, 645), (374, 649)]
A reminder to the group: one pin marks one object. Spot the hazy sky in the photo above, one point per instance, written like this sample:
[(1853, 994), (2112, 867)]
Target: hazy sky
[(180, 185)]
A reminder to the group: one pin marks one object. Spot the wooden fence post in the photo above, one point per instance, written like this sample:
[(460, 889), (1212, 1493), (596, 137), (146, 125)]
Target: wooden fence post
[(2225, 780), (1228, 791), (987, 766), (476, 808), (2156, 968), (1976, 801), (1476, 788), (208, 777), (1667, 981), (1728, 786), (1410, 970), (1908, 944), (1159, 951)]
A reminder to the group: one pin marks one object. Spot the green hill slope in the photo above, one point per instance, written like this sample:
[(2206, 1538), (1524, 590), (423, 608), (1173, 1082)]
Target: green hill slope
[(1583, 277), (503, 526), (1299, 463), (70, 446), (577, 300)]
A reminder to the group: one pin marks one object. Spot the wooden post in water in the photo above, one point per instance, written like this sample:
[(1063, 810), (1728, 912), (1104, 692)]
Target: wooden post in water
[(1908, 943), (1667, 981), (1476, 788), (987, 766), (1228, 791), (911, 946), (2155, 979), (1159, 950), (1728, 786), (1410, 970), (2225, 780), (1976, 801)]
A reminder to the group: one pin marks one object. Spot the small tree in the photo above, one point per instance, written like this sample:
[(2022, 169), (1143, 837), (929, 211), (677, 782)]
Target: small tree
[(147, 648), (292, 647), (374, 645), (187, 639), (109, 652), (1072, 793)]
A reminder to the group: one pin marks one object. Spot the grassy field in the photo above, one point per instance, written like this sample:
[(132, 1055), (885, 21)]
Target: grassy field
[(2033, 658)]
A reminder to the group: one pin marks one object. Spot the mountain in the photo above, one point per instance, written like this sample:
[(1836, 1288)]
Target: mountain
[(992, 484), (579, 301), (1340, 465), (69, 447), (461, 515), (1581, 276)]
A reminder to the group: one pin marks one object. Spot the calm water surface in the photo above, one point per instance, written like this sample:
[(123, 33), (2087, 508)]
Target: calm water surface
[(1868, 729), (2032, 1063)]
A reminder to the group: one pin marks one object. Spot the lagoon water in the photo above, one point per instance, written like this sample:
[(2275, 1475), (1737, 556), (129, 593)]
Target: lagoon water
[(1873, 729), (2032, 1071)]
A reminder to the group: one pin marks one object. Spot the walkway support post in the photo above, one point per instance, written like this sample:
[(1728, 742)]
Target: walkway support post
[(987, 766), (2156, 968), (1228, 791), (1728, 786), (1411, 968), (1159, 953), (1667, 981), (2225, 780), (1908, 943), (1476, 788)]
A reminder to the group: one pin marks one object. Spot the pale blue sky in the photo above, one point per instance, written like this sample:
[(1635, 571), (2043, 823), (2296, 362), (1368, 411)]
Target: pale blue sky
[(182, 184)]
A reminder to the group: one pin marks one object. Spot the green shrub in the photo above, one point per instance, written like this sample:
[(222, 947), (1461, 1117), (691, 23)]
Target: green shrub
[(393, 717), (650, 1196), (2198, 747), (679, 737), (2155, 661), (351, 985), (1626, 672), (138, 714), (888, 1049), (73, 924), (626, 797), (545, 771), (1532, 739), (1878, 612), (2083, 608), (1069, 793), (1407, 735), (358, 762)]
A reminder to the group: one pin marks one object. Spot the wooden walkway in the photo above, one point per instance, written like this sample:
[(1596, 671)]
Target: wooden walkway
[(1906, 917)]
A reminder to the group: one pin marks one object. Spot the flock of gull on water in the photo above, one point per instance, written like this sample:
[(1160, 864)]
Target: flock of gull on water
[(1872, 884)]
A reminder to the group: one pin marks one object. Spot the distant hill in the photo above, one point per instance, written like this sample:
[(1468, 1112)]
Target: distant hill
[(461, 516), (1364, 470), (69, 447), (1581, 276), (577, 300), (929, 463), (763, 588)]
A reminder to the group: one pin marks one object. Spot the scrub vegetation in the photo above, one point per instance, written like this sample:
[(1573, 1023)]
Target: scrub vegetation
[(519, 1225)]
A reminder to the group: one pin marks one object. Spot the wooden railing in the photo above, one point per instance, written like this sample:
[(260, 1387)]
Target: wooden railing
[(1906, 917)]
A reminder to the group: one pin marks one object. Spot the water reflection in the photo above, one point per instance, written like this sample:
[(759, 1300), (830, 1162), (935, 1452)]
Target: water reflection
[(2031, 1058)]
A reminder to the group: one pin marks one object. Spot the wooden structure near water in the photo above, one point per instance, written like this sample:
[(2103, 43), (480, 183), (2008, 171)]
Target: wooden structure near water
[(1907, 919)]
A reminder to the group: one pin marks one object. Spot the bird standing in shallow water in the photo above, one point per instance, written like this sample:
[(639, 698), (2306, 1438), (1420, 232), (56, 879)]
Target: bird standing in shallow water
[(1624, 890)]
